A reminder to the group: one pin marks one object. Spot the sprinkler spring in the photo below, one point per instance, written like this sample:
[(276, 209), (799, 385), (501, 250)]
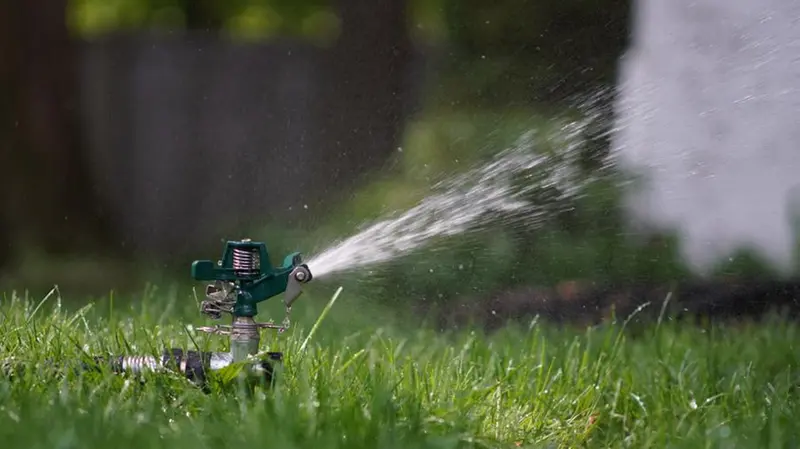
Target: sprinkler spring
[(246, 260)]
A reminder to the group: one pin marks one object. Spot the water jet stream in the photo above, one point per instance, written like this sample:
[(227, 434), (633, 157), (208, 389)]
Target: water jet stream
[(462, 203)]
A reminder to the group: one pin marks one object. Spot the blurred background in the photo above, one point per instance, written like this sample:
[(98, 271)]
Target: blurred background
[(137, 135)]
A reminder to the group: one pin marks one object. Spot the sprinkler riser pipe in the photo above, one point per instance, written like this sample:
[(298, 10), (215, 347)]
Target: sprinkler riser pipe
[(245, 338)]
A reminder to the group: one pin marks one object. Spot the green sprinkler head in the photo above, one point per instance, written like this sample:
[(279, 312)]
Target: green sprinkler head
[(244, 277)]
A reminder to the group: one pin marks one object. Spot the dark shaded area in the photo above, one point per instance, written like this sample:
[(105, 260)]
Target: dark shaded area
[(574, 303), (547, 50), (48, 195), (202, 15), (367, 96)]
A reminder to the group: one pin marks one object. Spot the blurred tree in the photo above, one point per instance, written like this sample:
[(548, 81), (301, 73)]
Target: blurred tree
[(47, 197)]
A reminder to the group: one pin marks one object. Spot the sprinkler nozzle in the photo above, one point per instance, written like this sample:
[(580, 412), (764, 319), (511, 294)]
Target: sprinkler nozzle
[(300, 275)]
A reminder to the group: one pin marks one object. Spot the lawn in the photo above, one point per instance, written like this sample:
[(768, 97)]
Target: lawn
[(365, 381)]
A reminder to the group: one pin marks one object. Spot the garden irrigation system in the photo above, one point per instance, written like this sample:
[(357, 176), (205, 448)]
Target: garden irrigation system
[(241, 279)]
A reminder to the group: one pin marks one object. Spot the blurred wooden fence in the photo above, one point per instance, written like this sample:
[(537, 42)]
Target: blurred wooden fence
[(191, 135)]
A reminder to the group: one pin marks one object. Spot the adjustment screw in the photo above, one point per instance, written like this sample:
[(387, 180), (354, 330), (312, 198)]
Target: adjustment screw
[(300, 276)]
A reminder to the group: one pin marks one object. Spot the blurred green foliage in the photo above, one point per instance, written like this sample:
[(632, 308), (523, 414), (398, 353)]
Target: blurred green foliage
[(315, 20), (245, 19)]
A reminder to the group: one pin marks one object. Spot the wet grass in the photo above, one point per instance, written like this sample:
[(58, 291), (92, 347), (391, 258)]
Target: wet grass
[(364, 382)]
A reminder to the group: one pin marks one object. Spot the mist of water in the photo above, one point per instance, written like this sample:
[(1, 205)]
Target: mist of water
[(462, 203), (709, 115)]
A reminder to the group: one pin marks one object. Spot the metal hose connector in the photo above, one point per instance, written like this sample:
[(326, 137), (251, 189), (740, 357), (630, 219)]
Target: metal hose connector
[(196, 366)]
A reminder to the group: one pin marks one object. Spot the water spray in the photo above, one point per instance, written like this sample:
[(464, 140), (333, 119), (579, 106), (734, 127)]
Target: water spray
[(502, 187), (241, 279)]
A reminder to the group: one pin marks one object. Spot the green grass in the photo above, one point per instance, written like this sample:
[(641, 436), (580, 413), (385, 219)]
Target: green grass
[(365, 381)]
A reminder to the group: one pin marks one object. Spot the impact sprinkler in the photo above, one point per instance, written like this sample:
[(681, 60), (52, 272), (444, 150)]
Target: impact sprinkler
[(242, 278)]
